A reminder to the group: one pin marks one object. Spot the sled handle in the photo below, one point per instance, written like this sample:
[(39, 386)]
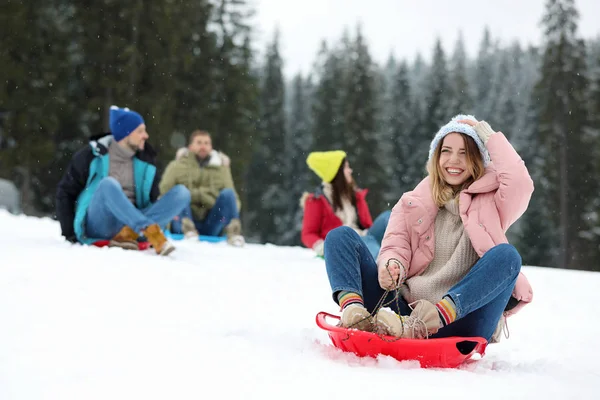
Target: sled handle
[(323, 324), (480, 345), (479, 348)]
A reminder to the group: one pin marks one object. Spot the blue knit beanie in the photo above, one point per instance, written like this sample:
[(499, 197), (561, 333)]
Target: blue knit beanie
[(455, 126), (123, 121)]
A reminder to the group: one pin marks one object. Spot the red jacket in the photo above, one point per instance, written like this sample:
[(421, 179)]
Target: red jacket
[(319, 217)]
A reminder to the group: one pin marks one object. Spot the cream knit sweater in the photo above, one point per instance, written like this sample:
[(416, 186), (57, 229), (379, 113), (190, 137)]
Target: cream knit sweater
[(453, 258)]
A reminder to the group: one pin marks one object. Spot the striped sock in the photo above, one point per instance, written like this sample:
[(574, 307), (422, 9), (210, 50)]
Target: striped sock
[(447, 310), (346, 298)]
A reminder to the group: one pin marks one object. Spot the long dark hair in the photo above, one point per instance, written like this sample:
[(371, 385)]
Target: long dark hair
[(341, 188)]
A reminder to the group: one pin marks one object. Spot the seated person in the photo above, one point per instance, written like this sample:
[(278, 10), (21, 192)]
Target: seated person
[(110, 189), (338, 203), (445, 268), (215, 205)]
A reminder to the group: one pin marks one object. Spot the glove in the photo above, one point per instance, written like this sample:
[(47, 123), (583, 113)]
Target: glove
[(319, 248), (484, 131)]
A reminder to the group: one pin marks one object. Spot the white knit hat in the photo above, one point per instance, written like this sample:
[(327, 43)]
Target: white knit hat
[(455, 126)]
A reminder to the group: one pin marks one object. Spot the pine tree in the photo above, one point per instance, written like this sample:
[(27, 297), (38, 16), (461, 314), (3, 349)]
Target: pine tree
[(400, 133), (505, 92), (418, 74), (328, 104), (527, 74), (562, 127), (234, 104), (593, 96), (298, 146), (484, 74), (174, 85), (384, 126), (195, 88), (36, 96), (267, 199), (106, 74), (438, 100), (500, 105), (389, 71), (462, 101), (518, 119), (513, 91), (362, 143), (535, 233)]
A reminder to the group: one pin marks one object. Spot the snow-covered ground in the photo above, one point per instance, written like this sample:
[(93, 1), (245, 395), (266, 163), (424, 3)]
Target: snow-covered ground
[(212, 321)]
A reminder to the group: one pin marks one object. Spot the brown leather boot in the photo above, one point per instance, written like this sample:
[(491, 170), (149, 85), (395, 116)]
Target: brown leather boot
[(158, 240), (125, 239)]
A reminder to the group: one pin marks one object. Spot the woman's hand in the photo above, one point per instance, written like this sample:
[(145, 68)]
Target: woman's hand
[(388, 274), (319, 247), (483, 129), (469, 122), (361, 232)]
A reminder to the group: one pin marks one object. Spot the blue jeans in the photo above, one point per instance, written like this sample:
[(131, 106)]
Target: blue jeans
[(110, 210), (219, 216), (375, 233), (480, 297)]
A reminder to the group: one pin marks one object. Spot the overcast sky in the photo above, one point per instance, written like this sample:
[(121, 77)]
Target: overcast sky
[(403, 27)]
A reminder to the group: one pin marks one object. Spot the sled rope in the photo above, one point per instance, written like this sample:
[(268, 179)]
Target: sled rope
[(381, 304), (505, 327)]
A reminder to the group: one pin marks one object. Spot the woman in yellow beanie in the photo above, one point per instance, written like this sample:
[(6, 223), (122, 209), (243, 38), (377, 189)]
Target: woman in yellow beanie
[(338, 202)]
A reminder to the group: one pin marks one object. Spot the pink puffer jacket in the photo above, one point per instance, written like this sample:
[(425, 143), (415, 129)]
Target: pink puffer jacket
[(487, 208)]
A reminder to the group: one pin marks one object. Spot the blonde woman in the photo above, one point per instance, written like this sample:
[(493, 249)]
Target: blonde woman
[(445, 246)]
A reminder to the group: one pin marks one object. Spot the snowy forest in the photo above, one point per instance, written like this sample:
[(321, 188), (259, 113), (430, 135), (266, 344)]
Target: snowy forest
[(185, 65)]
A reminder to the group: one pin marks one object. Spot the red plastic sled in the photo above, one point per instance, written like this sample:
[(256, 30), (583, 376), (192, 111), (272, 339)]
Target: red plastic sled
[(431, 353), (104, 243)]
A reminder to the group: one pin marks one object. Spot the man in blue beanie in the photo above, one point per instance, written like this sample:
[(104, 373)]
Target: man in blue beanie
[(110, 189)]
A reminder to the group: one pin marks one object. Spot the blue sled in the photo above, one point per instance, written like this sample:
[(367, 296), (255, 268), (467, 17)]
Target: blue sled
[(202, 238)]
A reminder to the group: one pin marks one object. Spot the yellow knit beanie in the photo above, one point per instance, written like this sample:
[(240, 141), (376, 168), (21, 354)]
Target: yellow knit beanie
[(326, 163)]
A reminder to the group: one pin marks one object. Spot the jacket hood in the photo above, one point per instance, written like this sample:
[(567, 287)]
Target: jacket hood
[(217, 159), (101, 141)]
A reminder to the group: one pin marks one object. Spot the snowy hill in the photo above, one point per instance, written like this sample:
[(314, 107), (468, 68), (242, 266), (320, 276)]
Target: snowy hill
[(212, 321)]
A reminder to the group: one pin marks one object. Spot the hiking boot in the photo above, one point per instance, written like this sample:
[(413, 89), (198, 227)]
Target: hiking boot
[(157, 239), (356, 316), (234, 233), (423, 321), (189, 229), (125, 239)]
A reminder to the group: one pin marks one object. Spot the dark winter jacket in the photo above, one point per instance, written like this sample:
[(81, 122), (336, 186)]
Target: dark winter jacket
[(87, 168), (319, 217)]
